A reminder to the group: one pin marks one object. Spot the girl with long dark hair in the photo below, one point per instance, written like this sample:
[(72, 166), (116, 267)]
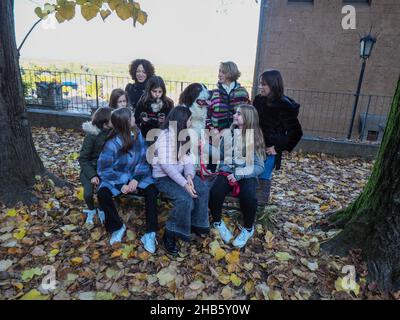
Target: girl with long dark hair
[(122, 168)]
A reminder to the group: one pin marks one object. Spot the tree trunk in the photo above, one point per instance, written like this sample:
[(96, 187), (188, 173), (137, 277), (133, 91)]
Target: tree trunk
[(372, 222), (19, 161)]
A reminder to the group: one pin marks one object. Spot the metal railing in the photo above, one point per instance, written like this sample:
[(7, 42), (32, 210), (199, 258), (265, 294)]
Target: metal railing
[(322, 114)]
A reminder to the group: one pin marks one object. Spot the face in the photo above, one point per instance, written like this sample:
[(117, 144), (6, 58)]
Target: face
[(141, 75), (122, 102), (238, 118), (189, 122), (264, 88), (156, 93), (221, 76)]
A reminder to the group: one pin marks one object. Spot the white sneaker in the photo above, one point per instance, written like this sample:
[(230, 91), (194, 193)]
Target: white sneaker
[(242, 238), (149, 242), (89, 215), (117, 235), (224, 232)]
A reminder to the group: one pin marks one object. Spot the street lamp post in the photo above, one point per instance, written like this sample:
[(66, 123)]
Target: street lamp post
[(366, 46)]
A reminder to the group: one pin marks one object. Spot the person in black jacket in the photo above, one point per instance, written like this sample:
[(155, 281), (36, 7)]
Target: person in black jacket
[(96, 131), (279, 124), (153, 107), (140, 70)]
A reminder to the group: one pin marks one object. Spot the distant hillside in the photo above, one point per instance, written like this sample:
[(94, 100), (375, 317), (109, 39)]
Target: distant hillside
[(206, 74)]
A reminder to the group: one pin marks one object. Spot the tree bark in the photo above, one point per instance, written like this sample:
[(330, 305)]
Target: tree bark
[(372, 222), (19, 161)]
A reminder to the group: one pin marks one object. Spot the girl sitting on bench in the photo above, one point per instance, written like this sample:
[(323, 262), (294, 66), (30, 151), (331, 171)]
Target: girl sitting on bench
[(122, 168), (175, 176), (236, 172)]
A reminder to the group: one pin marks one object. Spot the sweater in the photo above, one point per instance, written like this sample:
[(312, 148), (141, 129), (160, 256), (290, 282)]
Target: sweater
[(165, 163), (223, 105)]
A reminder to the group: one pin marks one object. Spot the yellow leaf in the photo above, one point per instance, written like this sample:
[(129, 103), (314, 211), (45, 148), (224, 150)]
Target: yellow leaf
[(89, 11), (67, 11), (104, 14), (224, 279), (18, 285), (95, 255), (123, 12), (324, 207), (233, 257), (116, 253), (54, 252), (235, 280), (219, 254), (74, 156), (142, 17), (20, 234), (125, 293), (144, 255), (79, 193), (249, 287), (275, 295), (283, 256), (77, 260), (12, 213), (114, 3), (342, 284), (34, 295)]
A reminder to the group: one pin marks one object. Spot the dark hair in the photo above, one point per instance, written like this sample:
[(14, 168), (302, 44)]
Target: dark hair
[(115, 95), (180, 114), (153, 83), (273, 79), (121, 121), (189, 95), (147, 65), (101, 117)]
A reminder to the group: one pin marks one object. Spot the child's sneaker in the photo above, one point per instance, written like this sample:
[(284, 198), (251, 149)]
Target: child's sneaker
[(242, 238), (90, 214), (102, 216), (149, 242), (224, 232), (117, 235)]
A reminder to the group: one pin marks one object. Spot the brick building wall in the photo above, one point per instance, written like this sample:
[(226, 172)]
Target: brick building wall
[(306, 42)]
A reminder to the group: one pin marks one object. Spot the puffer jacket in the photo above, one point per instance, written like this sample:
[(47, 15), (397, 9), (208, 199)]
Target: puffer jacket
[(279, 123)]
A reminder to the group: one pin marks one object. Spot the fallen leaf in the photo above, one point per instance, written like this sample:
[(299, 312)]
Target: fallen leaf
[(34, 295)]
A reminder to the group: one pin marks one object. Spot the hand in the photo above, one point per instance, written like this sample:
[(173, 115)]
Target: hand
[(125, 189), (133, 185), (190, 181), (271, 151), (95, 181), (231, 178), (191, 191), (145, 119)]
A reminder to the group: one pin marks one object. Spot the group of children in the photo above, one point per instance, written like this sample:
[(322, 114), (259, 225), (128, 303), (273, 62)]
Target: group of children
[(113, 156)]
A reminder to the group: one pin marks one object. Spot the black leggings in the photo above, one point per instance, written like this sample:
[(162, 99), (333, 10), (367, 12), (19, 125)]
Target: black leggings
[(247, 199), (114, 222)]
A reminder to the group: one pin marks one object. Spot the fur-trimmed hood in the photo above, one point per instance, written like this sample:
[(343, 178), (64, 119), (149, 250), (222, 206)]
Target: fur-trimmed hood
[(89, 127)]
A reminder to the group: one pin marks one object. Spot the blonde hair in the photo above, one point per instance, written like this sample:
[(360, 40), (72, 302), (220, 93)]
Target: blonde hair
[(251, 121), (230, 70)]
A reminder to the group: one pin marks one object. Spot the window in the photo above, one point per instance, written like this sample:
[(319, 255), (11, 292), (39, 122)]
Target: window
[(357, 1)]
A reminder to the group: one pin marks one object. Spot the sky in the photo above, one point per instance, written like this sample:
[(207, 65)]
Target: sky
[(178, 32)]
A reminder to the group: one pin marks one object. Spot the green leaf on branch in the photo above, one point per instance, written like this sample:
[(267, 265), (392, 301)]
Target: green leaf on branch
[(89, 11)]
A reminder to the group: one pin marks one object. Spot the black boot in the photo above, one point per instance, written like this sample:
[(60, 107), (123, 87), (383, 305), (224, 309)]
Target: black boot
[(169, 243), (263, 192)]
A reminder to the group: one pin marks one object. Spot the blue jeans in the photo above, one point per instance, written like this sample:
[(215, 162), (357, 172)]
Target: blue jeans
[(187, 214), (269, 165)]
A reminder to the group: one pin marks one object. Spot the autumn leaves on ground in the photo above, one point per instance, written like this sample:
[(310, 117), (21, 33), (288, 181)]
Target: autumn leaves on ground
[(281, 261)]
